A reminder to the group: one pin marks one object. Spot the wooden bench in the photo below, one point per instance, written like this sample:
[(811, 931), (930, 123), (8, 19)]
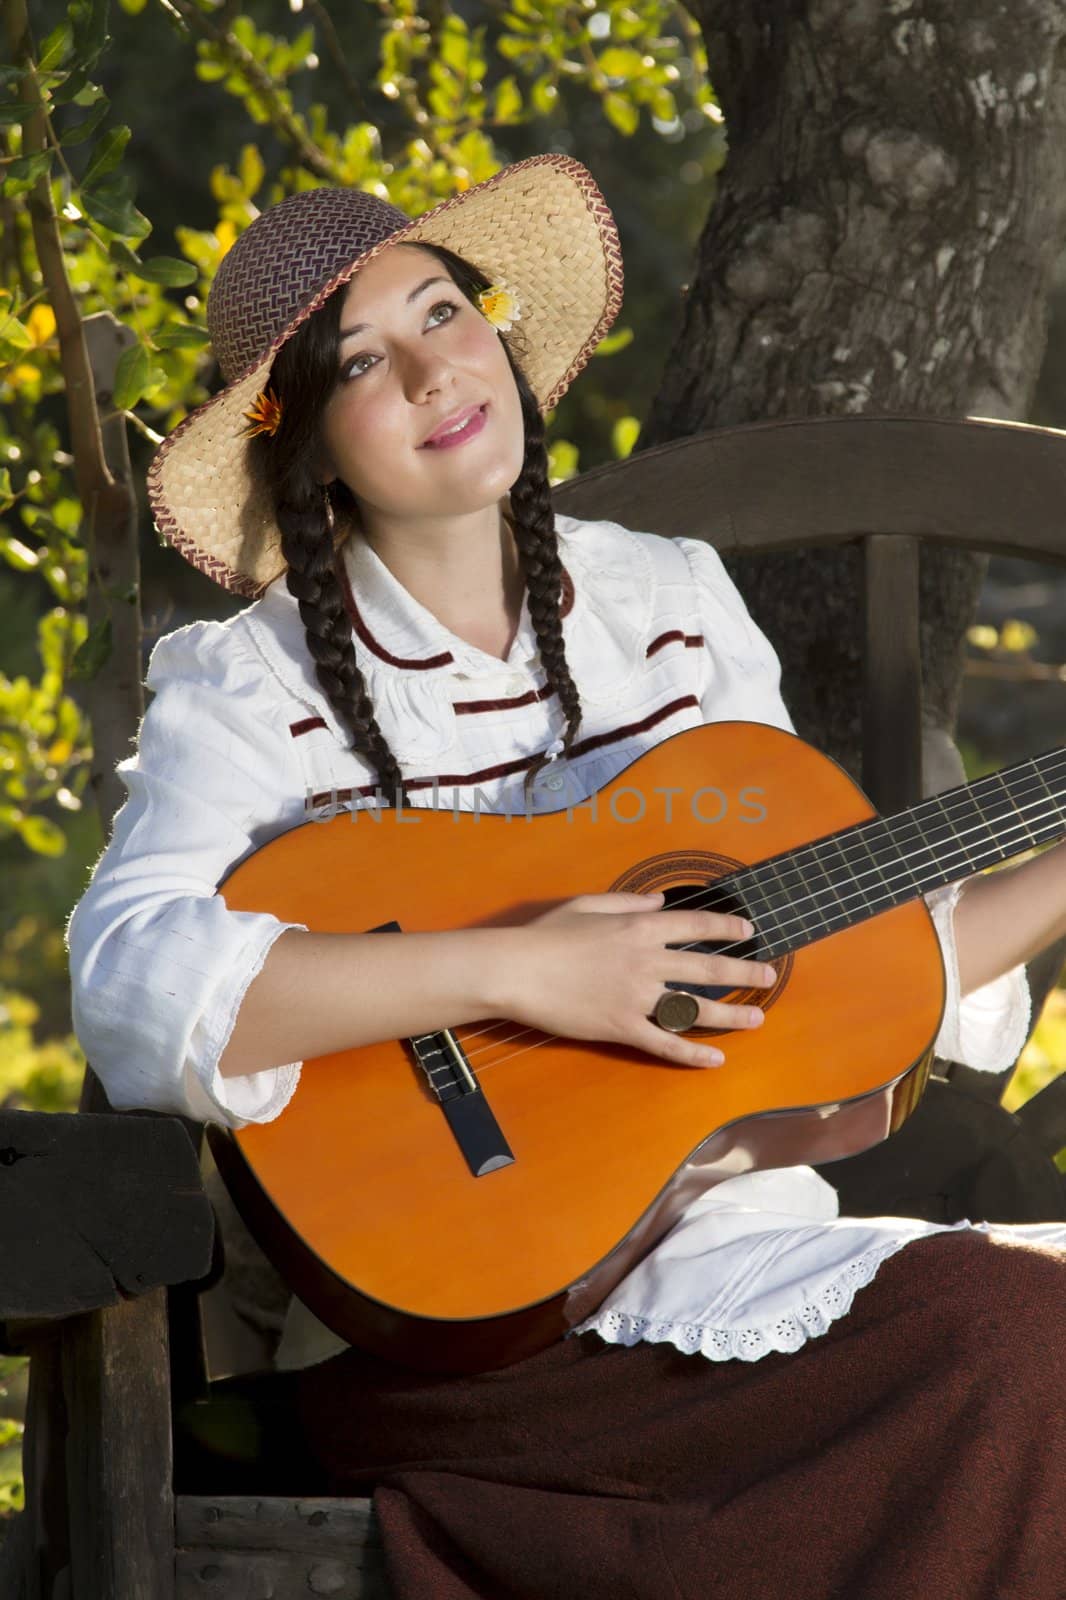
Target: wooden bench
[(143, 1479)]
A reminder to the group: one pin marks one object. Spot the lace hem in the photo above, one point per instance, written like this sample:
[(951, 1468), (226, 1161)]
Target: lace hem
[(788, 1333)]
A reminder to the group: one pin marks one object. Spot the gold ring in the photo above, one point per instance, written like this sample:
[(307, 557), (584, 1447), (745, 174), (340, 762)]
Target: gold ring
[(675, 1010)]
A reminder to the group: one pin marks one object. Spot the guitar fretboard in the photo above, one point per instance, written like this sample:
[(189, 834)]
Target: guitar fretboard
[(802, 895)]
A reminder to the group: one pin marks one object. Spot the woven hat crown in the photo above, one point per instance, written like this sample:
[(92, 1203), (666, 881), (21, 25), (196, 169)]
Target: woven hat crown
[(282, 259)]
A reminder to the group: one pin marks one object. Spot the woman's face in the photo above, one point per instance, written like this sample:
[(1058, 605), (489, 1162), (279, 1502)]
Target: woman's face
[(415, 358)]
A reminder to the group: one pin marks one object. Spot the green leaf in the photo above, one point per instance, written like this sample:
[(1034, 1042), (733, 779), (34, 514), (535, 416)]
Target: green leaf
[(544, 95), (133, 8), (251, 169), (106, 153), (56, 48), (614, 341), (181, 336), (85, 129), (15, 111), (624, 436), (89, 20), (131, 377), (22, 173), (617, 63), (121, 254), (95, 648), (507, 104), (167, 270), (110, 202), (73, 84), (17, 554), (42, 836), (14, 335), (622, 113)]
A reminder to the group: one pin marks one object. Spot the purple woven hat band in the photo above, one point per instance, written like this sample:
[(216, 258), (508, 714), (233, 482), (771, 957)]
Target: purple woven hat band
[(279, 262)]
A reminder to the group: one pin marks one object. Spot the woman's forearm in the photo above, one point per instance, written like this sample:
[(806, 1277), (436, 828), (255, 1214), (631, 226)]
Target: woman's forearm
[(1008, 916), (317, 993)]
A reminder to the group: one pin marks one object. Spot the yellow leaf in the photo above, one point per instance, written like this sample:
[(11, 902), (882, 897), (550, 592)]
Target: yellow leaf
[(226, 234), (41, 323)]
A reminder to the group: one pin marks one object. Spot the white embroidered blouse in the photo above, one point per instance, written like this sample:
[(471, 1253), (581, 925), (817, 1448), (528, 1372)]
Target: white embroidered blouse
[(239, 740)]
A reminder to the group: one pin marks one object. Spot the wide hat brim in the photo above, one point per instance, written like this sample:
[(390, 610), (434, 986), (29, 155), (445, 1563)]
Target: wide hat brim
[(541, 226)]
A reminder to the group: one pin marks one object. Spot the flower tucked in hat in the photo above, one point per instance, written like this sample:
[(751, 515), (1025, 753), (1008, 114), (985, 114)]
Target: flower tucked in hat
[(500, 306), (540, 229), (264, 415)]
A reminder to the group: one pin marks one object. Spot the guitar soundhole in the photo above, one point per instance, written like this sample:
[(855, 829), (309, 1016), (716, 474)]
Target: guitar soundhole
[(692, 880)]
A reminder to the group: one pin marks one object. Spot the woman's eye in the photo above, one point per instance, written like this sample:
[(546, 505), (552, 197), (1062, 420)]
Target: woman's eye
[(354, 370)]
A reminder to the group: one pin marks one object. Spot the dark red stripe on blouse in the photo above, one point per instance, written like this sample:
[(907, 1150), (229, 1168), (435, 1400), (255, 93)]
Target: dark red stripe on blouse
[(505, 768), (690, 640), (465, 708), (296, 728), (445, 659)]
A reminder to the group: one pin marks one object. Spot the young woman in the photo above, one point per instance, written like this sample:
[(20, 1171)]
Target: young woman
[(373, 478)]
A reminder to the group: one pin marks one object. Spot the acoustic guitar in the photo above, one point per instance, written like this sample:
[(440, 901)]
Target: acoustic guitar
[(459, 1200)]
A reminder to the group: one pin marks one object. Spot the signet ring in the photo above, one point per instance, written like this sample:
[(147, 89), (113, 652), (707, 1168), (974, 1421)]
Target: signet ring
[(675, 1010)]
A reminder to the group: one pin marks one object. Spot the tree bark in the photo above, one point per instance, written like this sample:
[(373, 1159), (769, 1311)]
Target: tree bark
[(884, 241)]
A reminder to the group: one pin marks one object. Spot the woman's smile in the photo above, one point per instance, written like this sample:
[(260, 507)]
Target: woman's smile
[(457, 429)]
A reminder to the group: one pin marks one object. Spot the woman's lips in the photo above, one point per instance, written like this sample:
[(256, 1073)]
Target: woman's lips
[(472, 426)]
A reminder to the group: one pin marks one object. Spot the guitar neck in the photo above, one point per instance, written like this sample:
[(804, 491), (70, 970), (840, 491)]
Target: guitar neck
[(847, 877)]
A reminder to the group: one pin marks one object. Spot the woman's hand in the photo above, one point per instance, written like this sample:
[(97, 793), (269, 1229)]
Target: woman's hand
[(594, 967)]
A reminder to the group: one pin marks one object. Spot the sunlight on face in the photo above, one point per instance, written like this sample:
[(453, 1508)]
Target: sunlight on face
[(415, 357)]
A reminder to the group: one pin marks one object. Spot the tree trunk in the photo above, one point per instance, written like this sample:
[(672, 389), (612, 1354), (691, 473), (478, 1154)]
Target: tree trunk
[(884, 240)]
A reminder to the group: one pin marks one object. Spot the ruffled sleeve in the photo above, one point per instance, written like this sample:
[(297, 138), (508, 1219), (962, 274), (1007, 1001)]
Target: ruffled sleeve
[(159, 965), (987, 1028), (742, 675)]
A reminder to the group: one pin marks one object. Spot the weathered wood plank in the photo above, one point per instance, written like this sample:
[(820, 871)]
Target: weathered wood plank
[(252, 1548), (795, 482), (96, 1208), (116, 1384)]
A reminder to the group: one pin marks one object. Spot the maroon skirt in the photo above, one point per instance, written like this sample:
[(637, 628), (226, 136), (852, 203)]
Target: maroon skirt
[(917, 1449)]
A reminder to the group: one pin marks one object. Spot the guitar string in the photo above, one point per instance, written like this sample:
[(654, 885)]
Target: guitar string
[(1018, 829), (782, 927)]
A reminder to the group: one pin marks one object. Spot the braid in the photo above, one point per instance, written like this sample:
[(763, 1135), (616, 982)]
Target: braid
[(304, 374), (538, 550), (307, 545)]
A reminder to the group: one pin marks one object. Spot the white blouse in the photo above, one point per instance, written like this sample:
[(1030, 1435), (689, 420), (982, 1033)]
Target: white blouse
[(239, 744)]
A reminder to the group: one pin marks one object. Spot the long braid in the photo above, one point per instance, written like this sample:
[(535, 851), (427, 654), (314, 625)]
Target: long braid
[(307, 545), (538, 550), (304, 375)]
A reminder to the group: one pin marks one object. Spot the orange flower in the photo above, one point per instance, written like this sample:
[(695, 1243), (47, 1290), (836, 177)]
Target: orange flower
[(264, 415)]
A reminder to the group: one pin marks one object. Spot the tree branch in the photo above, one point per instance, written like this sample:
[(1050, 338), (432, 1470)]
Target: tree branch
[(284, 122)]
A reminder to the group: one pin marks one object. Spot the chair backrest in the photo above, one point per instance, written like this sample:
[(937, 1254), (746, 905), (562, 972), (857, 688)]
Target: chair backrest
[(884, 482)]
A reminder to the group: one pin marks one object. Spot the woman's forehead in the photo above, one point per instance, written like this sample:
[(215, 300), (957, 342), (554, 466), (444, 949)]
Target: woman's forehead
[(394, 273)]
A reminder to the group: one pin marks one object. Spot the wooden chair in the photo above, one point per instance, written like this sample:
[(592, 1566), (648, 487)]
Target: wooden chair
[(107, 1235)]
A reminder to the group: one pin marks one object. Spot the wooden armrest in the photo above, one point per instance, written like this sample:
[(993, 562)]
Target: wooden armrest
[(97, 1208)]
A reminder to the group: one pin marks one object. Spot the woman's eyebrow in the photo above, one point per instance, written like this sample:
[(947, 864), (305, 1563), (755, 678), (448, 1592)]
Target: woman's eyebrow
[(360, 327)]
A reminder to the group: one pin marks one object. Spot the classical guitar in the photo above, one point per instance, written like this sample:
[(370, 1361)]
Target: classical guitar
[(459, 1200)]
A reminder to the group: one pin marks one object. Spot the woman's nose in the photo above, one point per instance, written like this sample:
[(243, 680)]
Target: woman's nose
[(425, 372)]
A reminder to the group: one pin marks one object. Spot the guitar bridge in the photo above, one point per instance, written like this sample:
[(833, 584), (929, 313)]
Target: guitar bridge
[(462, 1099), (460, 1096)]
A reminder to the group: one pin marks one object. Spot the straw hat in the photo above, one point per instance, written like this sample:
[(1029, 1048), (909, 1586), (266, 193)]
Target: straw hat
[(541, 226)]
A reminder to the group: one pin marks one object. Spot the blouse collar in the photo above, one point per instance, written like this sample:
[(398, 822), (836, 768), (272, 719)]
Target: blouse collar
[(397, 631)]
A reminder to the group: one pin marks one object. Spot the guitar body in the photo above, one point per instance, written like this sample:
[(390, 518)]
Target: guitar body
[(359, 1191)]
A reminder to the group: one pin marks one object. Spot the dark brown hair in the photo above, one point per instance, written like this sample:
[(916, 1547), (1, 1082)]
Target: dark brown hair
[(304, 376)]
